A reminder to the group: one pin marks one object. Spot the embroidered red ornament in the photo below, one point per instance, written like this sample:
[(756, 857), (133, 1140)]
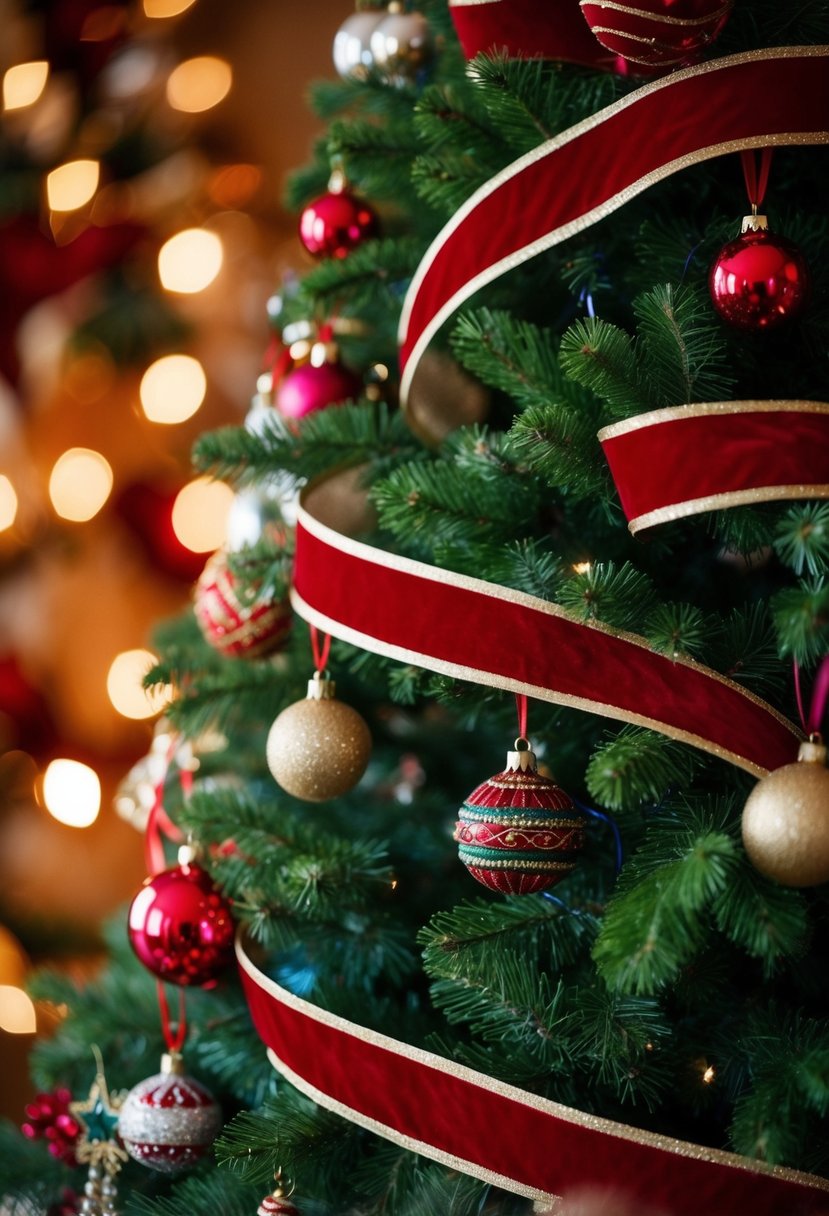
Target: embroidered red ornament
[(519, 832), (169, 1121), (659, 33), (237, 626)]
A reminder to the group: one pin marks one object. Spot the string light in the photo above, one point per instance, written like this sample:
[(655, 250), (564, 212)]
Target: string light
[(582, 567), (80, 484), (199, 84), (166, 8), (200, 514), (17, 1013), (72, 793), (709, 1074), (190, 260), (8, 503), (172, 389), (24, 83), (72, 185), (124, 686)]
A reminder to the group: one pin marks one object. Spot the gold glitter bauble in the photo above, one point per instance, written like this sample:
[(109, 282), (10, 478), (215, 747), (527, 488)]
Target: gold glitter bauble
[(318, 748), (786, 821)]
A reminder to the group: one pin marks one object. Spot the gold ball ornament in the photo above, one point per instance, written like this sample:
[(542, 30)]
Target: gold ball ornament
[(318, 748), (786, 820)]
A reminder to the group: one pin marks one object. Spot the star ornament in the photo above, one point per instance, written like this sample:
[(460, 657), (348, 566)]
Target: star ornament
[(98, 1117)]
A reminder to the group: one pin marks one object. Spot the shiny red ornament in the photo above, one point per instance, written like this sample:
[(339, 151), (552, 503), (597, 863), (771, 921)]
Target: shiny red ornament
[(519, 832), (759, 280), (169, 1121), (310, 388), (235, 626), (48, 1118), (659, 33), (181, 926), (337, 222)]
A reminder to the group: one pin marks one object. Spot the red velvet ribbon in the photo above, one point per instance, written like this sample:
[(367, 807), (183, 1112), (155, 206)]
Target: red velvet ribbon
[(525, 29), (758, 99), (672, 463), (496, 636), (501, 1134)]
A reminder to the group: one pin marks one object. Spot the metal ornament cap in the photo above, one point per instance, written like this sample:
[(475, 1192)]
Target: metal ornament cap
[(786, 821)]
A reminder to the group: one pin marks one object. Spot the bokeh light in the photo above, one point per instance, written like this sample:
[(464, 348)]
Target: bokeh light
[(8, 503), (72, 185), (17, 1013), (72, 793), (172, 389), (80, 484), (200, 514), (166, 8), (24, 83), (199, 84), (190, 260), (124, 678)]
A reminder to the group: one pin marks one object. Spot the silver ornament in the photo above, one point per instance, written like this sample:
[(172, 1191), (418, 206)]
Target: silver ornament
[(401, 47), (352, 54), (169, 1121)]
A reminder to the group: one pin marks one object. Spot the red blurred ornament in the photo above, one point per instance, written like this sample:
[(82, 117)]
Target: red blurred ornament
[(169, 1121), (334, 224), (48, 1118), (313, 386), (239, 628), (519, 832), (658, 33), (148, 510), (181, 926), (277, 1203), (759, 280)]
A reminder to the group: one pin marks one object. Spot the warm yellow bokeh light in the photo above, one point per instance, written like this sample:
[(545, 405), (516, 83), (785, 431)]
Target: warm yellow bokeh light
[(72, 793), (172, 388), (200, 514), (17, 1013), (126, 672), (24, 83), (166, 8), (8, 503), (80, 484), (72, 185), (190, 260), (199, 84)]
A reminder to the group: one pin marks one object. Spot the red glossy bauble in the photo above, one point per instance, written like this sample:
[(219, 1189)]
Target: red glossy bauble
[(169, 1121), (309, 388), (659, 33), (759, 280), (336, 223), (181, 927), (519, 832), (233, 625)]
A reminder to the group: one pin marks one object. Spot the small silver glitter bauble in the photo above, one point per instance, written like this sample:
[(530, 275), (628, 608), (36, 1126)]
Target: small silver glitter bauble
[(402, 46), (786, 821), (318, 748), (352, 56), (169, 1121)]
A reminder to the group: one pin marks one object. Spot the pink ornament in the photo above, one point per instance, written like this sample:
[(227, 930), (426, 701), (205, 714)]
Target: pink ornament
[(181, 927), (760, 280), (310, 388), (334, 224), (659, 33), (169, 1121)]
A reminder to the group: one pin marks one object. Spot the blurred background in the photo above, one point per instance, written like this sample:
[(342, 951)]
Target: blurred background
[(143, 150)]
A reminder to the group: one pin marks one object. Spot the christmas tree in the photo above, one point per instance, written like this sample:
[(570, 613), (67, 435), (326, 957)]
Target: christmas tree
[(559, 431)]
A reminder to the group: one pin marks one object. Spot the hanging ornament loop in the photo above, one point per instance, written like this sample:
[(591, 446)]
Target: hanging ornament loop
[(820, 694), (173, 1038), (756, 179), (320, 651)]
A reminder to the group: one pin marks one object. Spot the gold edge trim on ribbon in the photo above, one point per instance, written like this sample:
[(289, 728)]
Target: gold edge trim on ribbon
[(471, 3), (558, 235), (586, 124), (703, 409), (408, 1142), (728, 498), (682, 1148), (465, 582), (475, 675), (659, 18)]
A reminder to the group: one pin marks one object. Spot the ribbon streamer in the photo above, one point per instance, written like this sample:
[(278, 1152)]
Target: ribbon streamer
[(755, 100), (496, 1132), (671, 463), (493, 635)]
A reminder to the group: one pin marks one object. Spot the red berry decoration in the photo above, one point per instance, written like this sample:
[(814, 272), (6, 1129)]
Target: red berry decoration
[(169, 1121), (180, 926), (659, 33), (313, 386), (239, 627), (759, 280), (48, 1118), (519, 832), (334, 224)]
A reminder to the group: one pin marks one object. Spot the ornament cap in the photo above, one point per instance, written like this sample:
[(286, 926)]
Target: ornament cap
[(337, 182), (321, 688), (813, 751), (754, 223), (521, 758), (172, 1064), (188, 853)]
